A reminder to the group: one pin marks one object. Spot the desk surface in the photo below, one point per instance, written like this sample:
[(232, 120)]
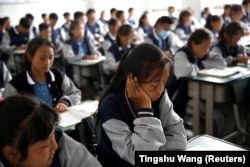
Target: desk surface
[(87, 62), (206, 143)]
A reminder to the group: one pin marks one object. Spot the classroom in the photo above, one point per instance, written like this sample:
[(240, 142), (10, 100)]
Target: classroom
[(105, 83)]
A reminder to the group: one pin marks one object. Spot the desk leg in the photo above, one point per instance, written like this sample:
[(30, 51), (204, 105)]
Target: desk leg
[(77, 72), (209, 108), (196, 108)]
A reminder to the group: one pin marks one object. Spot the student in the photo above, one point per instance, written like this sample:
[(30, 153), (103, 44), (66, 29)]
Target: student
[(91, 24), (185, 27), (117, 50), (53, 18), (7, 23), (29, 137), (45, 18), (214, 25), (131, 19), (33, 31), (171, 10), (144, 28), (188, 60), (135, 112), (204, 15), (79, 47), (246, 8), (5, 75), (163, 38), (64, 30), (110, 37), (16, 38), (236, 14), (228, 48), (120, 15), (103, 23), (47, 84), (113, 12), (45, 32), (2, 29), (226, 13)]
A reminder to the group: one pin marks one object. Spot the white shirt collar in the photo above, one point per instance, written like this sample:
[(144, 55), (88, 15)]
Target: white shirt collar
[(32, 82), (111, 36)]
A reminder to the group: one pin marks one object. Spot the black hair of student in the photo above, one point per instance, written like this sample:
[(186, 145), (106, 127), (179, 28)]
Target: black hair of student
[(33, 46), (227, 6), (184, 13), (2, 22), (53, 16), (6, 18), (119, 13), (163, 20), (78, 14), (24, 121), (170, 7), (211, 19), (130, 9), (24, 22), (235, 8), (123, 30), (43, 15), (90, 11), (230, 29), (73, 25), (29, 16), (43, 26), (143, 16), (112, 10), (245, 2), (66, 14), (198, 36), (112, 22), (140, 62)]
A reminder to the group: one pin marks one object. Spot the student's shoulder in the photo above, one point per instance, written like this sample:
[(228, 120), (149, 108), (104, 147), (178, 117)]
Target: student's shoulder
[(18, 78), (111, 99)]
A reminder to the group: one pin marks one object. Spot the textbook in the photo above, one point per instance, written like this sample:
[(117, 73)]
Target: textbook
[(220, 73), (77, 113)]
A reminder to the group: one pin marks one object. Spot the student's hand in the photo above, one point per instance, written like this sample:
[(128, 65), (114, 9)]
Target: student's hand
[(61, 107), (242, 59), (136, 94), (169, 55), (91, 57)]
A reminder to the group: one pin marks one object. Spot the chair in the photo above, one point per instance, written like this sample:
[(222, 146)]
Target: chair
[(239, 88)]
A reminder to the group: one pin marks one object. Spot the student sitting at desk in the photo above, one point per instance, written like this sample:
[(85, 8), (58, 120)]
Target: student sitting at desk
[(227, 48), (33, 30), (110, 37), (16, 38), (144, 28), (64, 30), (47, 84), (55, 32), (117, 50), (135, 112), (5, 75), (185, 27), (29, 137), (214, 25), (91, 24), (163, 38)]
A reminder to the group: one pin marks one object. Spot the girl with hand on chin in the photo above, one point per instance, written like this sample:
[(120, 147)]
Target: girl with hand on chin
[(135, 112)]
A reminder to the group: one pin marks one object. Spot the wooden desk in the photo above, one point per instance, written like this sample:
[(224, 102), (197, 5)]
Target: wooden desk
[(212, 90), (209, 143)]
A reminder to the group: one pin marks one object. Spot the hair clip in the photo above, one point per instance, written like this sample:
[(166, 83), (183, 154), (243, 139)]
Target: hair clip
[(1, 99)]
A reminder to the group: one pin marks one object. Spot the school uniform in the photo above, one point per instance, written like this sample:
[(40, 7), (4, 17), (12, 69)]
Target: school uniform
[(109, 39), (103, 25), (184, 32), (144, 31), (132, 22), (69, 153), (228, 56), (93, 28), (172, 43), (1, 36), (55, 34), (33, 32), (214, 35), (64, 31), (57, 88), (113, 57), (246, 18), (125, 130), (12, 38)]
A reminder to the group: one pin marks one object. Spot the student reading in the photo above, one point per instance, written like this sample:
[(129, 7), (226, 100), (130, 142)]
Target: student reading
[(136, 112), (46, 83), (29, 137)]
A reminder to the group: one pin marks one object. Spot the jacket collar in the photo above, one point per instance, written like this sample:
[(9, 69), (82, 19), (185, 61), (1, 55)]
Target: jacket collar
[(31, 80)]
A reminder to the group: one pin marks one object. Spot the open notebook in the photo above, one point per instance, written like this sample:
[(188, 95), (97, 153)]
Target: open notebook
[(76, 113), (221, 73)]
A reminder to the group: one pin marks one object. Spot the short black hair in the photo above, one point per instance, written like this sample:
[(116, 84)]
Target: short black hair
[(24, 22), (119, 13), (53, 16), (43, 15), (164, 20), (245, 2), (29, 16), (78, 14), (66, 14), (90, 11), (198, 36), (112, 10), (43, 26), (130, 9), (112, 22)]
